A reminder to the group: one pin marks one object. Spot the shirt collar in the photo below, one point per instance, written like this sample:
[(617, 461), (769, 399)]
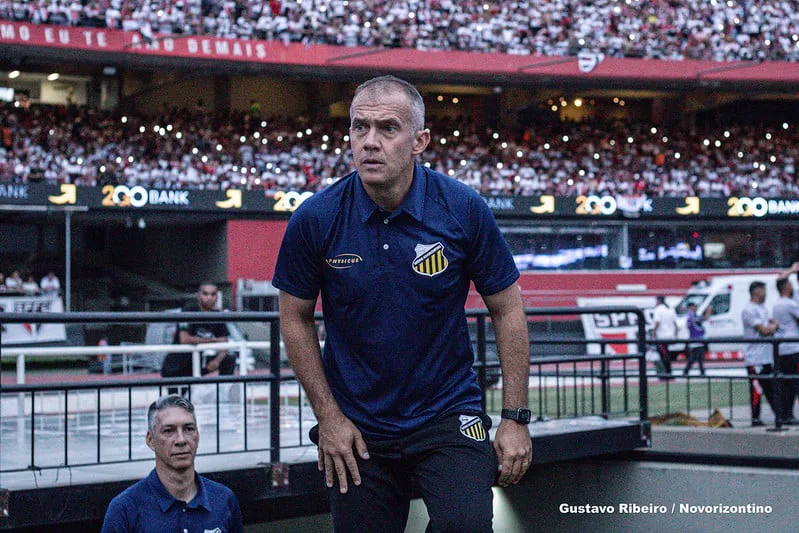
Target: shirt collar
[(413, 203), (166, 500)]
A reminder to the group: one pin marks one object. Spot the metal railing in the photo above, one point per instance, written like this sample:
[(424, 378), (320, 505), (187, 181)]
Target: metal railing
[(680, 390), (102, 422)]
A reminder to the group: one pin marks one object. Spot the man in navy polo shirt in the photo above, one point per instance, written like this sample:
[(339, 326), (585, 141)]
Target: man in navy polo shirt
[(393, 248), (173, 498)]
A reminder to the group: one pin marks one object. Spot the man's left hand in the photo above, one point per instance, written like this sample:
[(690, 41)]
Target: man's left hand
[(514, 451)]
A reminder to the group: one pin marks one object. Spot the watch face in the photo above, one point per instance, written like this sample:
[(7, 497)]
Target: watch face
[(524, 415)]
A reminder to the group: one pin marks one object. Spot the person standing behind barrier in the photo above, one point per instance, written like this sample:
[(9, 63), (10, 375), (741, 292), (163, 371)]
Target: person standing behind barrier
[(786, 313), (696, 351), (50, 285), (664, 327), (173, 498), (392, 247), (759, 357), (180, 363)]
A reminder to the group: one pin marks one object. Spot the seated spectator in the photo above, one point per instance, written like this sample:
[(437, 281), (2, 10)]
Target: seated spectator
[(29, 286), (50, 285), (194, 148), (14, 282)]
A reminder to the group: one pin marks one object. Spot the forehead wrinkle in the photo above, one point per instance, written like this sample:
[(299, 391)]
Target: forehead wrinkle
[(379, 111)]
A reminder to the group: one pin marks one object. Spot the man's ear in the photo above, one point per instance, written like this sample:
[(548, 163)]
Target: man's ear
[(420, 141), (149, 440)]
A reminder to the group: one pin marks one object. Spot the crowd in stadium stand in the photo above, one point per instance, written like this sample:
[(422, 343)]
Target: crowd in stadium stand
[(717, 30), (194, 148)]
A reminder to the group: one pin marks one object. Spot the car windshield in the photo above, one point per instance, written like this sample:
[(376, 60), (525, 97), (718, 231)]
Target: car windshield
[(693, 298)]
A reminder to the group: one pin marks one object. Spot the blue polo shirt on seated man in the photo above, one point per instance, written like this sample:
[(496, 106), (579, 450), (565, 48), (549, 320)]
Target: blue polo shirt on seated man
[(148, 507), (397, 353)]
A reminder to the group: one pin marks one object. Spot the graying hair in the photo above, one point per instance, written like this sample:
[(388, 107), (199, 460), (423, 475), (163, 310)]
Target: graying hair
[(165, 402), (389, 83)]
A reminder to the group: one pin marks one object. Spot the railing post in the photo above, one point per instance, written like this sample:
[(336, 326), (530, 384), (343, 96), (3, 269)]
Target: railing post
[(604, 381), (21, 399), (21, 369), (481, 357), (643, 384), (274, 391), (777, 375), (195, 363), (244, 355)]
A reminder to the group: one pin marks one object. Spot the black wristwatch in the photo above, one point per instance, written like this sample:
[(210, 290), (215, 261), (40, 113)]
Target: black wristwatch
[(522, 415)]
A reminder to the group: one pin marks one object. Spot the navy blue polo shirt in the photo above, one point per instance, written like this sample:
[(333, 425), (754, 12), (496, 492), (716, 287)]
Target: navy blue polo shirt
[(394, 285), (147, 507)]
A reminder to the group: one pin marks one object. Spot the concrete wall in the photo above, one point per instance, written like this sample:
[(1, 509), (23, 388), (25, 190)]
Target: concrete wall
[(535, 505)]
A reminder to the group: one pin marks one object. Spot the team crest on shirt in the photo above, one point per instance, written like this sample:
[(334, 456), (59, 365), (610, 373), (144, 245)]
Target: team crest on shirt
[(430, 259), (472, 427)]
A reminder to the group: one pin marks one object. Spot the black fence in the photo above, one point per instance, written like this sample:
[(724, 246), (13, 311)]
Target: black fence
[(101, 422)]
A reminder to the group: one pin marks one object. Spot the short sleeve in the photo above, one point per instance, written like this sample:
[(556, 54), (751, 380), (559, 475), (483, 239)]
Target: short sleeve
[(751, 319), (115, 518), (298, 263), (490, 264), (236, 525)]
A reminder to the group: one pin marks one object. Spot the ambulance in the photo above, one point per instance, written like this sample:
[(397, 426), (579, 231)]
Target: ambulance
[(726, 296)]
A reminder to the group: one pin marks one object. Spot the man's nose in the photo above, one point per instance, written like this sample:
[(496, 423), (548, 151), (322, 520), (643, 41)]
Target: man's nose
[(371, 139)]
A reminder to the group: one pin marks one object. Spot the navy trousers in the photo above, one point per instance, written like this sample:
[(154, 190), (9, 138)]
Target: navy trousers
[(451, 462)]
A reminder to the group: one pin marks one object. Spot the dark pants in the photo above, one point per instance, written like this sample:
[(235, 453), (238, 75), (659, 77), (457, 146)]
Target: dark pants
[(452, 469), (179, 365), (665, 357), (788, 388), (696, 355), (759, 389)]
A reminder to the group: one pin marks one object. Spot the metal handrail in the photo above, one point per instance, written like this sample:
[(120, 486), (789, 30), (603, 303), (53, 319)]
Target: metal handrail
[(278, 376)]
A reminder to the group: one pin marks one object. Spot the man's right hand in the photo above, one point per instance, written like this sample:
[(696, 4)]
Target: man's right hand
[(337, 438)]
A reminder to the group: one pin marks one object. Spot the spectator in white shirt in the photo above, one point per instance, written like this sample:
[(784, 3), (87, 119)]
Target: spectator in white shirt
[(664, 327), (50, 285)]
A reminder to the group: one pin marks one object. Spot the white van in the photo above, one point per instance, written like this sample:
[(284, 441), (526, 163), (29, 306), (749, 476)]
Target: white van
[(726, 296)]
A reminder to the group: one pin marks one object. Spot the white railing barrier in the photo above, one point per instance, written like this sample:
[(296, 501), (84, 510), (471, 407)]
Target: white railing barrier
[(244, 348)]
